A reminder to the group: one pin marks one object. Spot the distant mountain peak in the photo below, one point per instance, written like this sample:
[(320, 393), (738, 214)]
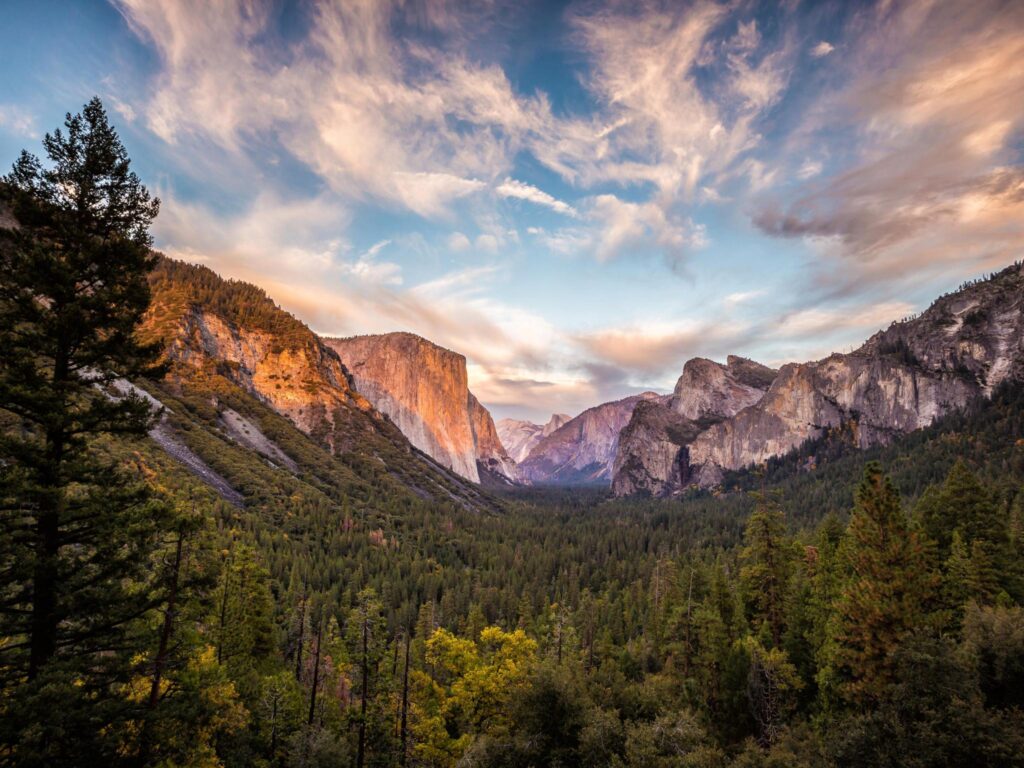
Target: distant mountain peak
[(582, 450)]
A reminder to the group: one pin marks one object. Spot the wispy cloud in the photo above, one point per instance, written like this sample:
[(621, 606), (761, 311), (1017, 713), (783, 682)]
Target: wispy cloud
[(883, 145), (523, 191), (372, 115), (18, 121), (930, 110)]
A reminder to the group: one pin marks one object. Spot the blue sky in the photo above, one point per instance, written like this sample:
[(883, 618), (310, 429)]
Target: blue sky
[(578, 196)]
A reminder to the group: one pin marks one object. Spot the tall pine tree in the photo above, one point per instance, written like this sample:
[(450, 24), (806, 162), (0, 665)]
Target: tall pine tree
[(75, 531), (767, 565), (885, 596)]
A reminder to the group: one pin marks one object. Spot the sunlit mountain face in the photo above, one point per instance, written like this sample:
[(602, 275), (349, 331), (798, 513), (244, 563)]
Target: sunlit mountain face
[(577, 196)]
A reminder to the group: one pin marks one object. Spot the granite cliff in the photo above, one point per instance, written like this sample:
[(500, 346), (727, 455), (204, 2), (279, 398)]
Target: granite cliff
[(650, 454), (210, 327), (239, 369), (424, 390)]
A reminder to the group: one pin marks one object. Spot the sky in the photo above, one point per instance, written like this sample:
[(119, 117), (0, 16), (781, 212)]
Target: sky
[(578, 196)]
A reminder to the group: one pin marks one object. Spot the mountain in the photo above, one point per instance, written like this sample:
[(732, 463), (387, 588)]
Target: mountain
[(519, 437), (583, 449), (963, 346), (424, 390), (647, 459), (213, 326), (238, 364)]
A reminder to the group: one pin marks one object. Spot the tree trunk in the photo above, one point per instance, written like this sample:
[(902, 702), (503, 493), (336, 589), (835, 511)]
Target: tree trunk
[(223, 610), (361, 754), (162, 653), (302, 636), (316, 671), (45, 577), (403, 730)]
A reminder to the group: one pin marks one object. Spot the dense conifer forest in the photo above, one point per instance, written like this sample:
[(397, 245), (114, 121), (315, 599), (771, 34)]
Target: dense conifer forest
[(834, 607)]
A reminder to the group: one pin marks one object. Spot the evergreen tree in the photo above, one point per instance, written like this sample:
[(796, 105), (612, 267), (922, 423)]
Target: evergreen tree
[(885, 597), (767, 565), (76, 531), (962, 503)]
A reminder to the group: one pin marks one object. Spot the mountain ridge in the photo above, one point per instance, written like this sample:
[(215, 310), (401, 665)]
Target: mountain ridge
[(902, 378)]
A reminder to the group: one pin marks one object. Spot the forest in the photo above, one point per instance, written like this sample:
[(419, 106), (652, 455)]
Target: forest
[(834, 607)]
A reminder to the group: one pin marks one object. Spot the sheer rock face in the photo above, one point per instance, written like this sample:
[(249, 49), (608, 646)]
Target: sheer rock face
[(583, 449), (901, 379), (648, 459), (298, 377), (652, 459), (519, 437), (424, 389)]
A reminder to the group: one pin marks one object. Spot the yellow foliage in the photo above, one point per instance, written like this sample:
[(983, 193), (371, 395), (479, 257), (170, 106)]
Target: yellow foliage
[(476, 684)]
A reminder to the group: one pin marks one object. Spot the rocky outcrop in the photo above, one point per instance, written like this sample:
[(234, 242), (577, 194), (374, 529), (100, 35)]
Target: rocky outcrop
[(301, 379), (647, 462), (424, 390), (583, 449), (710, 390), (901, 379), (651, 458), (209, 327), (519, 437)]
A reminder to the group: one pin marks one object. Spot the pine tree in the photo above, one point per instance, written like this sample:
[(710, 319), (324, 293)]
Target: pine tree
[(961, 503), (76, 531), (884, 598), (956, 576), (768, 565), (367, 648)]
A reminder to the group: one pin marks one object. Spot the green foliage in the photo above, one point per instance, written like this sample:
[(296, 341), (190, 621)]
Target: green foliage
[(932, 715), (884, 598), (767, 564), (178, 286)]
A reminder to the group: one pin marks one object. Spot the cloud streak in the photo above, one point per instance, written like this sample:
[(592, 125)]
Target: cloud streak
[(519, 190)]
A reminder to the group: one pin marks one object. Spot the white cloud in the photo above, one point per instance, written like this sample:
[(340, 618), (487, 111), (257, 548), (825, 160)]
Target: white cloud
[(624, 225), (487, 243), (822, 49), (809, 169), (457, 241), (522, 191), (429, 194), (369, 271), (374, 115), (124, 109), (376, 248), (741, 297)]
